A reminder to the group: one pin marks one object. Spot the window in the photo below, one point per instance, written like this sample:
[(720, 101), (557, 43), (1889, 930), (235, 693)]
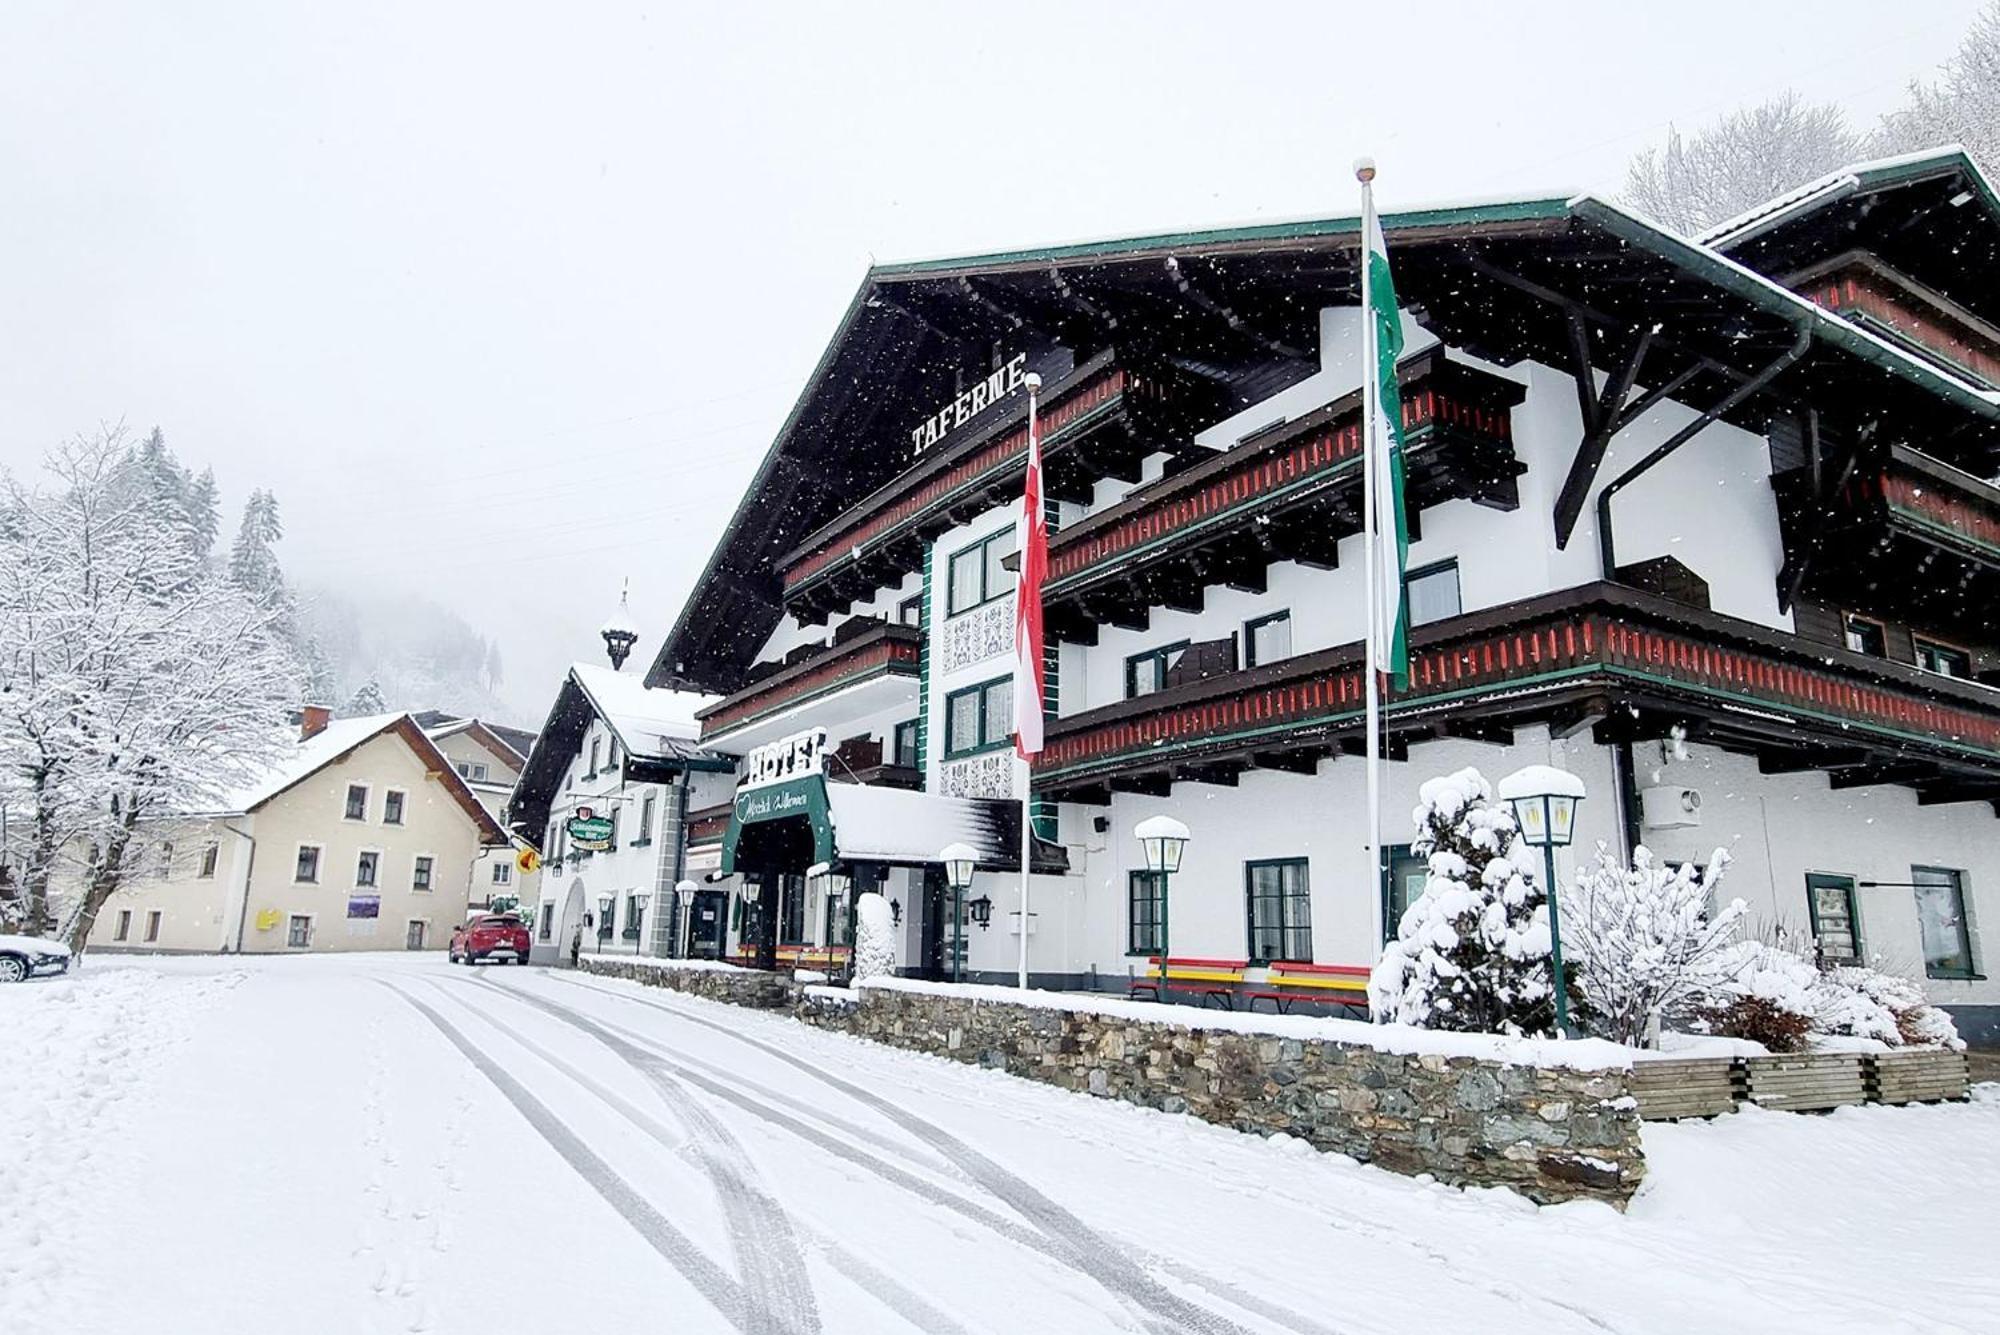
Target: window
[(420, 873), (647, 806), (905, 745), (166, 859), (1147, 672), (1943, 659), (153, 925), (503, 873), (614, 831), (209, 853), (1432, 593), (611, 763), (975, 575), (1864, 636), (298, 933), (1142, 913), (1267, 639), (357, 801), (791, 910), (124, 928), (911, 610), (594, 744), (472, 770), (414, 935), (1403, 883), (1280, 910), (607, 910), (1835, 924), (365, 867), (392, 806), (548, 921), (979, 718), (307, 870), (1941, 922), (635, 912)]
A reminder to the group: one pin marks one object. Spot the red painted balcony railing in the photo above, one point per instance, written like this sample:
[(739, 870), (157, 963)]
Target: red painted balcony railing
[(884, 649), (1893, 305), (1600, 639)]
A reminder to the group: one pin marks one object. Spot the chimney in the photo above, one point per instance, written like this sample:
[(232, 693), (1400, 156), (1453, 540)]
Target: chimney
[(313, 720)]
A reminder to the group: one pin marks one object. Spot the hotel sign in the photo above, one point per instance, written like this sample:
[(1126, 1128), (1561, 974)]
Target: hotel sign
[(589, 832), (993, 389), (788, 758)]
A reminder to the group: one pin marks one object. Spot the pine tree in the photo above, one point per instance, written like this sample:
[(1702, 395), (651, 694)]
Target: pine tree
[(368, 700), (204, 510), (1473, 952), (253, 565)]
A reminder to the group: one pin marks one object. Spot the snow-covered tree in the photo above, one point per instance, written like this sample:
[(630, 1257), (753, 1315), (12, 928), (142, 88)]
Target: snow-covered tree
[(1962, 106), (1643, 942), (1472, 953), (1738, 161), (124, 696), (365, 701)]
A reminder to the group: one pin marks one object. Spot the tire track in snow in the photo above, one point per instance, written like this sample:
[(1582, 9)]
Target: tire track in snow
[(1097, 1256), (905, 1302), (768, 1256), (675, 1247)]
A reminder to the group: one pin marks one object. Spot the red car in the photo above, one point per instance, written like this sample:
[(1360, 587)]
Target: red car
[(490, 936)]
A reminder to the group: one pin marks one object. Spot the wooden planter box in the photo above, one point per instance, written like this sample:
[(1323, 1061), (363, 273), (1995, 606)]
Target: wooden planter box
[(1920, 1075), (1686, 1087), (1806, 1082)]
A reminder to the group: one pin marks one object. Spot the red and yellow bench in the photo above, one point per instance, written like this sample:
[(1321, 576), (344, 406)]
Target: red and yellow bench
[(1214, 980), (1287, 982)]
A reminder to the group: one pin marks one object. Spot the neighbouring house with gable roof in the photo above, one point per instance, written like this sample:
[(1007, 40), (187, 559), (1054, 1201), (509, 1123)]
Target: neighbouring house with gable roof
[(365, 838), (489, 756)]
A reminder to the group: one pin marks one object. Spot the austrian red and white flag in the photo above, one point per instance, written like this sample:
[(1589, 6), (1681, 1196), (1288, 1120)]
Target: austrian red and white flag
[(1028, 694)]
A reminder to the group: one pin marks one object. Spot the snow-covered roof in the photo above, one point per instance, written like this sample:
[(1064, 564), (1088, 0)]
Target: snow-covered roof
[(1832, 185), (875, 824), (646, 719), (308, 756)]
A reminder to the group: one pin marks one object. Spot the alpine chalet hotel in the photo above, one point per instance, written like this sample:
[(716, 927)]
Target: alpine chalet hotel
[(1703, 521)]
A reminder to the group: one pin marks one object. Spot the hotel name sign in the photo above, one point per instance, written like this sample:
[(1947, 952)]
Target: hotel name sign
[(974, 401), (794, 757)]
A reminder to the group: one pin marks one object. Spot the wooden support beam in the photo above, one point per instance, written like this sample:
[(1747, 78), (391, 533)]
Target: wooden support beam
[(1304, 760), (1222, 773), (1152, 783), (1495, 732), (1600, 423), (1940, 794), (1569, 720)]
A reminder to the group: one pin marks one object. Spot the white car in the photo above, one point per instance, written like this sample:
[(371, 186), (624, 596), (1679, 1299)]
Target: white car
[(22, 957)]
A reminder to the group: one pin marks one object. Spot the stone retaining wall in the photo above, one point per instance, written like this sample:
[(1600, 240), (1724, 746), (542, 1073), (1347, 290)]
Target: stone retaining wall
[(739, 987), (1551, 1133)]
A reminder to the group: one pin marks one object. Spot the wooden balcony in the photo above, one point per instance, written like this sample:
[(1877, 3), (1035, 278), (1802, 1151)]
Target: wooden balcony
[(870, 666), (1907, 537), (1100, 421), (1623, 663), (1286, 494), (1876, 297)]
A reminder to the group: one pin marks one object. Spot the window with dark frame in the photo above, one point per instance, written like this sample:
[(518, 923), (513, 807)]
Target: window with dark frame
[(1267, 639), (124, 929), (1941, 922), (1864, 635), (911, 610), (420, 874), (298, 932), (1146, 673), (1431, 593), (979, 718), (635, 912), (414, 934), (647, 806), (1836, 922), (1279, 911), (595, 744), (975, 575), (357, 801), (209, 853), (306, 870), (791, 890), (607, 913), (153, 925), (1943, 659), (1142, 912), (503, 873), (392, 806), (904, 745), (1404, 876), (366, 866)]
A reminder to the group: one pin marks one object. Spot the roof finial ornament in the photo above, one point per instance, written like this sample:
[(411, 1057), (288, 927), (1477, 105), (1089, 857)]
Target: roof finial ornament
[(619, 633)]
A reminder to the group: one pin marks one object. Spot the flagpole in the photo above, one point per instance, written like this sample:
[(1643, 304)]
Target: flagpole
[(1030, 495), (1364, 172)]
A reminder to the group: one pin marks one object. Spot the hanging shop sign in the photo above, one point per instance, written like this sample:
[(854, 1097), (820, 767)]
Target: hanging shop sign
[(788, 758), (589, 832), (962, 409), (529, 861)]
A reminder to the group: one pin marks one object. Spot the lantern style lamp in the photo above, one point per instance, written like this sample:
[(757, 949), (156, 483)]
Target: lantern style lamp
[(982, 911), (960, 860), (684, 892), (1544, 799), (1162, 839), (619, 634)]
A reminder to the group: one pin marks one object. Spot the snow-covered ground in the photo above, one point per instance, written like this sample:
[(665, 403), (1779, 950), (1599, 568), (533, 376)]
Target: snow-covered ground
[(389, 1143)]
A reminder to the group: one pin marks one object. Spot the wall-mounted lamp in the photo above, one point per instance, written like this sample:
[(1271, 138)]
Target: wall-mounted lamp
[(982, 911)]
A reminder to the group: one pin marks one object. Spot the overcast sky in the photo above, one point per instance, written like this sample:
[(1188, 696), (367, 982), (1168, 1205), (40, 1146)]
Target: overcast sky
[(506, 301)]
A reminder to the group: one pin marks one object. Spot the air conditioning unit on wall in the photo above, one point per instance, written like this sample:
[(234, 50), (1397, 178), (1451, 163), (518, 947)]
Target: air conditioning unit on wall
[(1667, 808)]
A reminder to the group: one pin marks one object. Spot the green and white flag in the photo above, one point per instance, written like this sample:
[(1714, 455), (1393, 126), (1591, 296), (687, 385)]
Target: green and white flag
[(1384, 449)]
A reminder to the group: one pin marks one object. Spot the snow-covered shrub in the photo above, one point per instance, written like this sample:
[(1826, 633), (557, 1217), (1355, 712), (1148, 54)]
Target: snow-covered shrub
[(1766, 994), (874, 937), (1869, 1003), (1472, 953), (1642, 943)]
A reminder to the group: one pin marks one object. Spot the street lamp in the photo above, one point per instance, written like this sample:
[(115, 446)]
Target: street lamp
[(959, 861), (1162, 838), (1544, 799), (684, 892)]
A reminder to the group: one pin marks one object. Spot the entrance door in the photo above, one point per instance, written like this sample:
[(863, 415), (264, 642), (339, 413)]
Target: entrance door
[(1835, 923), (708, 924)]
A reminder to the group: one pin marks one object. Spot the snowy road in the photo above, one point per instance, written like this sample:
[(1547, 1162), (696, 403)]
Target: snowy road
[(387, 1143)]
